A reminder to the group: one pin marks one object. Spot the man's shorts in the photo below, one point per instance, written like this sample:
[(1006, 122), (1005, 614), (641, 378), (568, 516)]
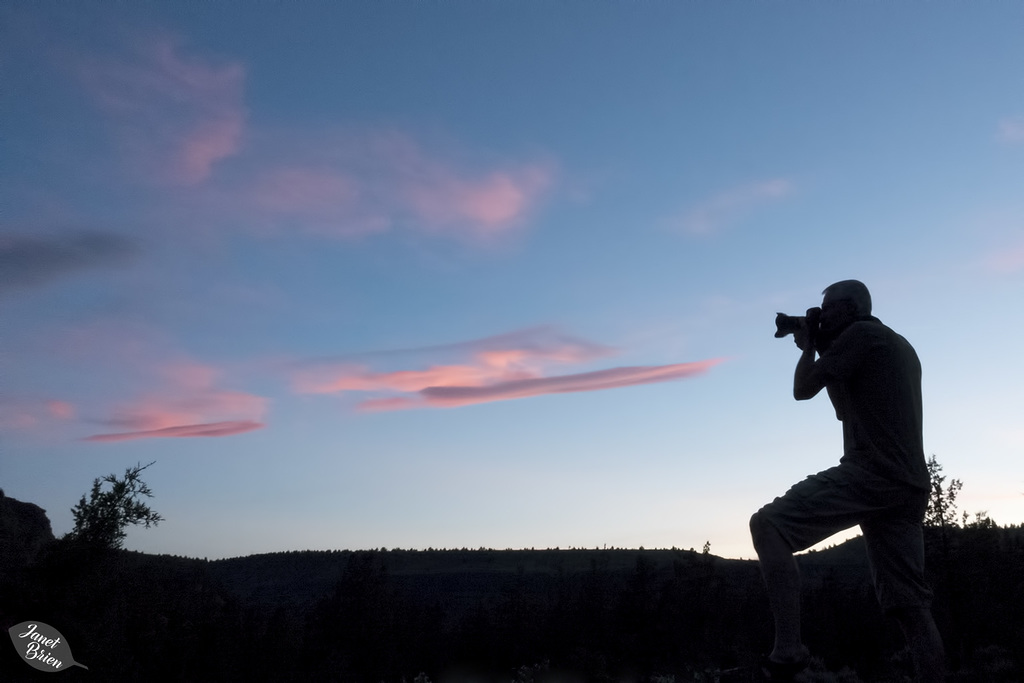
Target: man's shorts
[(889, 515)]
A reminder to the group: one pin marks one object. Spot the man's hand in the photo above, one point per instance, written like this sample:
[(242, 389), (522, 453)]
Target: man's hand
[(806, 335), (802, 338)]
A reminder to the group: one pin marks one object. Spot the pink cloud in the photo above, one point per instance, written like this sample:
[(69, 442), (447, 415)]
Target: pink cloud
[(12, 419), (497, 370), (28, 414), (483, 205), (205, 145), (613, 378), (444, 197), (177, 407), (361, 379), (730, 205), (508, 357), (377, 405), (189, 405), (350, 183), (61, 410), (174, 115), (226, 428)]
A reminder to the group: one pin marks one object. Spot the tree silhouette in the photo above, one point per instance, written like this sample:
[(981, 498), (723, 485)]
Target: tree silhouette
[(941, 510), (101, 520)]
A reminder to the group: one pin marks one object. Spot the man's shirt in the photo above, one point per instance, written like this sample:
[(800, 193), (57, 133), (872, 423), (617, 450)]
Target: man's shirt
[(873, 377)]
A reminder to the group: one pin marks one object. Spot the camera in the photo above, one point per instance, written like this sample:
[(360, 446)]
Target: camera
[(791, 324)]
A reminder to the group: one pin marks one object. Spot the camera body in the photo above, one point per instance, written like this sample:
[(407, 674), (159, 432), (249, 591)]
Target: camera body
[(791, 324)]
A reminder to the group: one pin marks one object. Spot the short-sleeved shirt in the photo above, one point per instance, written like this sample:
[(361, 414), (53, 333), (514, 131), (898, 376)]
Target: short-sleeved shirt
[(873, 377)]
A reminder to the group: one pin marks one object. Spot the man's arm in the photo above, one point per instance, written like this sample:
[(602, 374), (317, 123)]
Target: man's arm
[(808, 379)]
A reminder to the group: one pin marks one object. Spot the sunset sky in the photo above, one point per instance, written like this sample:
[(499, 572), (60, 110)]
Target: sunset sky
[(493, 274)]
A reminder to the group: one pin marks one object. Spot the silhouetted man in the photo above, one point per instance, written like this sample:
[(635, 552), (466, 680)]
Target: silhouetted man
[(873, 377)]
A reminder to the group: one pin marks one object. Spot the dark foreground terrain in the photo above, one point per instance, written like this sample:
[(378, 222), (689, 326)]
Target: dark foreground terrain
[(483, 615)]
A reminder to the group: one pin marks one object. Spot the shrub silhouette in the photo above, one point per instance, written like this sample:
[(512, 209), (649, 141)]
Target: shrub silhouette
[(101, 520)]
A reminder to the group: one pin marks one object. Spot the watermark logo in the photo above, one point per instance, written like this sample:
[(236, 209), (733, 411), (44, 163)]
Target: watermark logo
[(42, 646)]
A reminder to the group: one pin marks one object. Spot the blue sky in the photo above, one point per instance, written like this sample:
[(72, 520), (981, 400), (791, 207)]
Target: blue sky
[(493, 274)]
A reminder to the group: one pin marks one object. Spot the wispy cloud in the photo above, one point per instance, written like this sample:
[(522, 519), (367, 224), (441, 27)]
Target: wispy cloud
[(226, 428), (1011, 130), (514, 355), (443, 189), (190, 404), (361, 378), (730, 206), (344, 183), (542, 341), (27, 261), (612, 378), (33, 414), (481, 206), (63, 410), (174, 115), (497, 368)]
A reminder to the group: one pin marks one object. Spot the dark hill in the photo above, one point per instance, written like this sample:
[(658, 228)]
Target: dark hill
[(301, 577), (387, 615)]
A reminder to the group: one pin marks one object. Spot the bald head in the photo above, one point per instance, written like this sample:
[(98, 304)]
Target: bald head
[(853, 291)]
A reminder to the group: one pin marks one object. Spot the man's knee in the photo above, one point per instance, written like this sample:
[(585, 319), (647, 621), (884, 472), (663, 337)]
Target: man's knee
[(768, 540), (756, 523), (761, 530)]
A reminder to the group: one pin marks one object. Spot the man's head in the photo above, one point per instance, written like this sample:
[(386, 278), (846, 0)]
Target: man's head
[(844, 303), (853, 291)]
